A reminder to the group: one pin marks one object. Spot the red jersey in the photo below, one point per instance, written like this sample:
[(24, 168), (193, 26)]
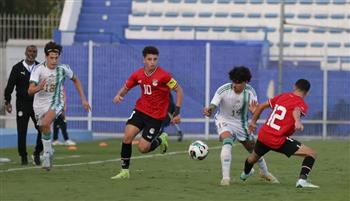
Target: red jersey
[(154, 100), (280, 123)]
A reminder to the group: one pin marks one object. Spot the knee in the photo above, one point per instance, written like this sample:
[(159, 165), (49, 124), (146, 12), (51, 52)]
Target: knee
[(143, 149), (313, 154)]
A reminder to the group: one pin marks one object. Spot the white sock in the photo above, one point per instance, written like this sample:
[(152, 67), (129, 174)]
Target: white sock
[(226, 160), (47, 145), (263, 166)]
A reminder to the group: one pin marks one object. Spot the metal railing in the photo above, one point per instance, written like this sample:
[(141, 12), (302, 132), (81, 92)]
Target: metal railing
[(26, 26)]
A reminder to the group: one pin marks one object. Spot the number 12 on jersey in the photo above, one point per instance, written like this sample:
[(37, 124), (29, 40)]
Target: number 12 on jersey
[(274, 116)]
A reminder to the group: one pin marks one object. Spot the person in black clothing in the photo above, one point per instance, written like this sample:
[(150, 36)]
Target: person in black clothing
[(166, 122), (19, 78)]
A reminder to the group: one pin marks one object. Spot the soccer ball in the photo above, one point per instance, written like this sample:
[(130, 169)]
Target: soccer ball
[(198, 150)]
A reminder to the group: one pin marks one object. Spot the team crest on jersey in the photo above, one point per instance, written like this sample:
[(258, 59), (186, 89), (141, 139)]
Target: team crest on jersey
[(154, 82)]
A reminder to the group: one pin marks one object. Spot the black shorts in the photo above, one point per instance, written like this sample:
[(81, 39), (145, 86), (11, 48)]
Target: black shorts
[(288, 148), (149, 125)]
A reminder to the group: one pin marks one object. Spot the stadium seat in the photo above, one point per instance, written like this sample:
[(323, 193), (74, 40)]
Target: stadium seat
[(271, 15), (333, 45), (219, 29), (185, 28), (207, 1), (155, 14), (289, 15), (337, 16), (152, 28), (304, 16), (221, 14), (205, 14), (235, 29), (202, 29), (317, 44), (322, 2), (305, 1), (190, 1), (169, 28), (138, 14), (347, 45), (300, 44), (188, 14), (302, 29), (345, 59), (321, 16), (240, 1), (171, 14), (174, 1), (256, 1), (224, 1), (135, 27), (237, 15), (254, 15), (341, 2), (273, 1)]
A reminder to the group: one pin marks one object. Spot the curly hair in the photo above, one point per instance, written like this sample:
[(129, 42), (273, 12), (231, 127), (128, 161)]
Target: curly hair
[(240, 74)]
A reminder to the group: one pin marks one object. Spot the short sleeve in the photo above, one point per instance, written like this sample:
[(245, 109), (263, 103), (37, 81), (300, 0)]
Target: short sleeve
[(131, 81), (68, 71), (35, 75), (273, 101), (217, 97), (303, 108), (253, 96)]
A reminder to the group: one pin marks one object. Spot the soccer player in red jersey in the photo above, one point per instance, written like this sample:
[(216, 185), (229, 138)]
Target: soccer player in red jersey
[(283, 121), (150, 110)]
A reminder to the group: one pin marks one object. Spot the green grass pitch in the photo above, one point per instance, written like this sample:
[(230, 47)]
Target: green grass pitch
[(84, 174)]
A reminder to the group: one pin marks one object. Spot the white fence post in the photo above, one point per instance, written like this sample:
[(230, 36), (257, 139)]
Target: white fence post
[(325, 103), (207, 87), (90, 82)]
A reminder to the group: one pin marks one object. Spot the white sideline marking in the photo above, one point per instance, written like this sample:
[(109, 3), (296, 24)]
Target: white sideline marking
[(104, 161)]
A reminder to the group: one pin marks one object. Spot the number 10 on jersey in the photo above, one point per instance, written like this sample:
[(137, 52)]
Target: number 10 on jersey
[(147, 89)]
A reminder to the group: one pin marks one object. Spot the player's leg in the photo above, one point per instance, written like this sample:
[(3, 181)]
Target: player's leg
[(264, 173), (132, 128), (39, 144), (22, 119), (293, 147), (152, 137), (56, 127), (45, 126), (259, 151), (309, 159), (129, 134), (227, 139)]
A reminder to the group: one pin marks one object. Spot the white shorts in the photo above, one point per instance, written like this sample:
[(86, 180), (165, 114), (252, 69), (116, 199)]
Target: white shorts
[(41, 111), (237, 131)]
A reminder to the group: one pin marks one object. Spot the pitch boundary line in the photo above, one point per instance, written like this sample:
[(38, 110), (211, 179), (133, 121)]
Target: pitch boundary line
[(103, 161)]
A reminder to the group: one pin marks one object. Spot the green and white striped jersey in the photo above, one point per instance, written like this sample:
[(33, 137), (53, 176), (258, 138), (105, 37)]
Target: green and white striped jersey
[(231, 106), (52, 94)]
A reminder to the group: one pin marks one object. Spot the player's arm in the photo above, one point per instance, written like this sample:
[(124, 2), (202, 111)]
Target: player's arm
[(261, 107), (9, 89), (208, 111), (80, 90), (121, 93), (35, 88), (178, 104), (296, 115)]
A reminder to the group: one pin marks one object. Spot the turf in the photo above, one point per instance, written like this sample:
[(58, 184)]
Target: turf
[(84, 174)]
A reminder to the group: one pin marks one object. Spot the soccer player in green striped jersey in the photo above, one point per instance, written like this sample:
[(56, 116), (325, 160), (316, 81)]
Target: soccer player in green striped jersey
[(46, 84), (234, 100)]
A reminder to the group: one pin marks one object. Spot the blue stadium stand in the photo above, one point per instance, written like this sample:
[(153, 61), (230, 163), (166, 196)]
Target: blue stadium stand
[(8, 136)]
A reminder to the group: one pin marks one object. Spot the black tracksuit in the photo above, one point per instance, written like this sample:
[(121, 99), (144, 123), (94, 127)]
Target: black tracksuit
[(19, 78)]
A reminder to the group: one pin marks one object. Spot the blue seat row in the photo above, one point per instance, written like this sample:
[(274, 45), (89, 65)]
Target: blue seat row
[(238, 15)]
